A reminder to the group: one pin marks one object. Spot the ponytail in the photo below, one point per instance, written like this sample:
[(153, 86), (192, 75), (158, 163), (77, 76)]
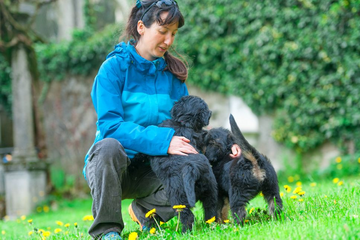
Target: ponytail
[(177, 66)]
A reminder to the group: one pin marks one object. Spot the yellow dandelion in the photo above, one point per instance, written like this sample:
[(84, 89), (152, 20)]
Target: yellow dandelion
[(46, 234), (23, 217), (301, 193), (334, 201), (179, 206), (281, 194), (67, 225), (290, 179), (161, 223), (76, 224), (359, 160), (30, 221), (59, 223), (298, 184), (301, 200), (3, 232), (313, 184), (338, 159), (226, 221), (251, 210), (297, 190), (30, 233), (41, 231), (153, 231), (325, 196), (46, 208), (336, 180), (246, 221), (339, 166), (293, 197), (88, 218), (340, 183), (261, 194), (133, 236), (287, 188), (57, 230), (211, 220), (150, 213)]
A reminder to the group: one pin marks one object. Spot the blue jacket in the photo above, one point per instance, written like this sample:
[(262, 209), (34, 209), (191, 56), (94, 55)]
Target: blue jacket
[(131, 96)]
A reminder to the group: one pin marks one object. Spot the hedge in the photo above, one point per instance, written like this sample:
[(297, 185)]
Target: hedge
[(298, 61)]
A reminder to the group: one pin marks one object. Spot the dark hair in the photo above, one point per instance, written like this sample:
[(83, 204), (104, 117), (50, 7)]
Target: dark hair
[(153, 14)]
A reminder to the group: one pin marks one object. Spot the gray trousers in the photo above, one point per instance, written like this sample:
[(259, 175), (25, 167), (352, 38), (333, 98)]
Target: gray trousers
[(112, 177)]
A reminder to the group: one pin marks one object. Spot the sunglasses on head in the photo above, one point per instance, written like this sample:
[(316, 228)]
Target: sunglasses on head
[(158, 4)]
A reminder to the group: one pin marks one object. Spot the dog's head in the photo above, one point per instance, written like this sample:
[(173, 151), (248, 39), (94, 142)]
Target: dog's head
[(217, 144), (192, 112)]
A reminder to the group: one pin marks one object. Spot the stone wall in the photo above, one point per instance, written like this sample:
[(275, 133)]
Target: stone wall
[(69, 124)]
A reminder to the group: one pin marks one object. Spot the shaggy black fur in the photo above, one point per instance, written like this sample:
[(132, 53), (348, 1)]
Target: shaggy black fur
[(240, 180), (188, 178)]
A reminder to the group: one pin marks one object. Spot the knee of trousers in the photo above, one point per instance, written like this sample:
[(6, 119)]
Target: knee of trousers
[(110, 151)]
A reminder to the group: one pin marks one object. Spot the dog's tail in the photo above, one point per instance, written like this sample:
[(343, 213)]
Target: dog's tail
[(247, 150), (190, 175)]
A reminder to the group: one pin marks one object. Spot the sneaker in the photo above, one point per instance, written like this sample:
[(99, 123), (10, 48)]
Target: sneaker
[(136, 219), (112, 236)]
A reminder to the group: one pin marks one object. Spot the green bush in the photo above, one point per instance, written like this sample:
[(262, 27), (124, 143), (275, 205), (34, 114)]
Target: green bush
[(81, 56), (296, 60), (5, 84)]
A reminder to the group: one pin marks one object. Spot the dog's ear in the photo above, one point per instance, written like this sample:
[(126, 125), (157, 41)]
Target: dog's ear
[(230, 139), (177, 109), (202, 117)]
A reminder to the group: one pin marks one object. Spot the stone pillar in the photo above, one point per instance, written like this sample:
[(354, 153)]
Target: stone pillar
[(65, 19), (25, 177), (23, 123), (122, 10)]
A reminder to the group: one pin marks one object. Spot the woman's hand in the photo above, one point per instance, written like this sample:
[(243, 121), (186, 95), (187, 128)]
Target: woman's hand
[(181, 146), (236, 151)]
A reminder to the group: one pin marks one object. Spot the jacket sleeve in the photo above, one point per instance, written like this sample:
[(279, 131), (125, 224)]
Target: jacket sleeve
[(106, 95)]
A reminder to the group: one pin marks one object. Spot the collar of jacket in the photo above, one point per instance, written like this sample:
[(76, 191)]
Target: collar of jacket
[(143, 65)]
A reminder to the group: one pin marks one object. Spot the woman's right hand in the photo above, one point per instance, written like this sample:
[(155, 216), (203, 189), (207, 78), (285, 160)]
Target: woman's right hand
[(181, 146)]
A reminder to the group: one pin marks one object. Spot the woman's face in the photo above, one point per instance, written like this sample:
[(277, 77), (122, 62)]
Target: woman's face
[(155, 40)]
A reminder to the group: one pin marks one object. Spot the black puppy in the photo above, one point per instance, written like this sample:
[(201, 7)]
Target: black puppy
[(241, 179), (188, 178)]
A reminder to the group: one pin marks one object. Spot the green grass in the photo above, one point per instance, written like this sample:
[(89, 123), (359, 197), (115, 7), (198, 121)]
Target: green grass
[(328, 211)]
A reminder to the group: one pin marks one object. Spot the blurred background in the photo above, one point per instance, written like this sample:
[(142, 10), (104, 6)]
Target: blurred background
[(288, 70)]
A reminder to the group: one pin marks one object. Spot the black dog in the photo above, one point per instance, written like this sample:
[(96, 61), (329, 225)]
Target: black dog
[(187, 179), (240, 180)]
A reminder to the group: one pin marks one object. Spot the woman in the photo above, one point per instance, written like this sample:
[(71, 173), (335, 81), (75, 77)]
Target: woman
[(133, 92)]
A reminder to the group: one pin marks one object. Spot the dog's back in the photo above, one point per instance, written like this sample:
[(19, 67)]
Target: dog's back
[(240, 179)]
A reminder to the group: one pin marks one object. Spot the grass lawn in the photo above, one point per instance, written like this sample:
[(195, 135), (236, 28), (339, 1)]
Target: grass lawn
[(327, 210)]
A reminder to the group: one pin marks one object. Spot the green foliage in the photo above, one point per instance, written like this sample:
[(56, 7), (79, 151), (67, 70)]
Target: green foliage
[(5, 84), (342, 167), (297, 60), (81, 56)]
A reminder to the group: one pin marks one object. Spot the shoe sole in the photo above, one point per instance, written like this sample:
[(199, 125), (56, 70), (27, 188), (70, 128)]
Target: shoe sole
[(133, 217)]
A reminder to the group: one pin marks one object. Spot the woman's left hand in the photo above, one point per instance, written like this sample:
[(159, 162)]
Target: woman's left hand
[(236, 151)]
